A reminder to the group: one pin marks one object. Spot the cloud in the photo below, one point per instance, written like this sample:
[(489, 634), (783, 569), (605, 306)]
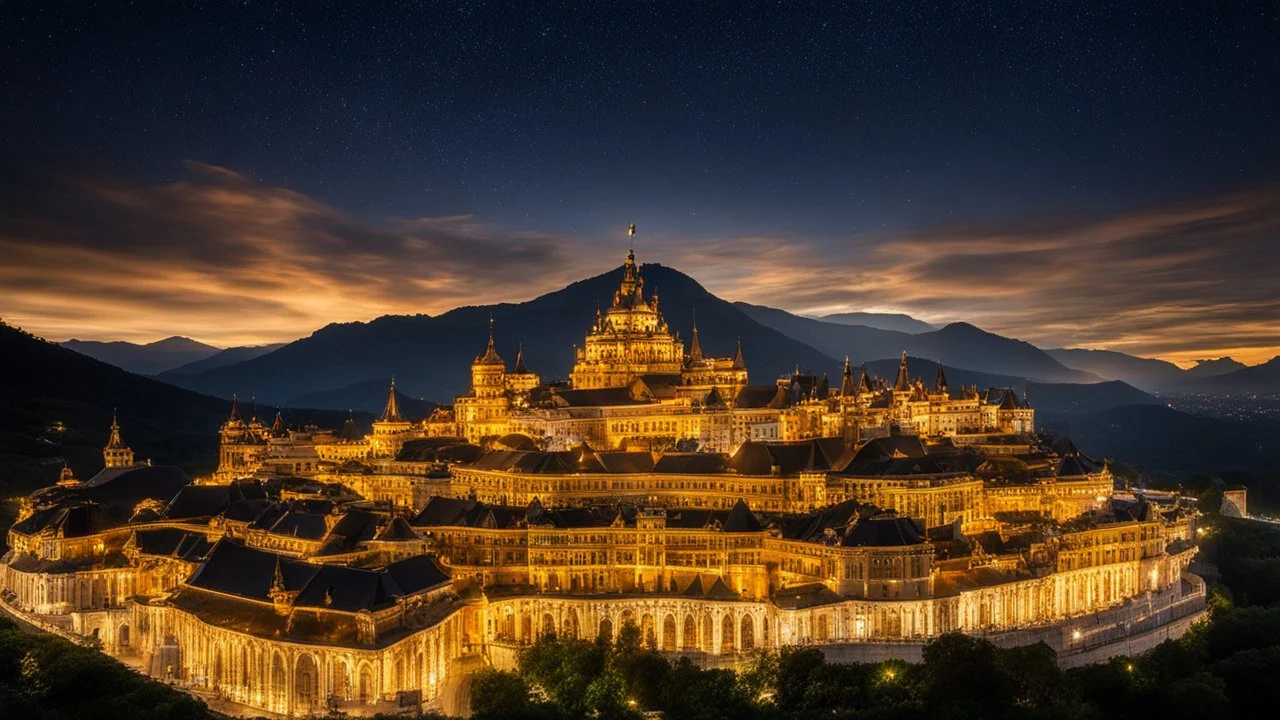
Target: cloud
[(230, 260), (1180, 282)]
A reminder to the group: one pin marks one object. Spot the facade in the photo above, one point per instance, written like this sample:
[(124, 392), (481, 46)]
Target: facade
[(332, 570)]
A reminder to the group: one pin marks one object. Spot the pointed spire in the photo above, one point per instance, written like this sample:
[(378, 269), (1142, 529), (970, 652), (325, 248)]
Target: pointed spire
[(235, 409), (695, 348), (903, 383), (277, 427), (491, 356), (520, 368), (847, 387), (392, 412), (253, 408), (864, 381), (738, 362), (114, 442), (940, 384), (277, 578), (1025, 402)]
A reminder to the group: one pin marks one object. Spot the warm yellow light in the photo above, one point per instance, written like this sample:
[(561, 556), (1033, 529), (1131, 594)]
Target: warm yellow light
[(1076, 634)]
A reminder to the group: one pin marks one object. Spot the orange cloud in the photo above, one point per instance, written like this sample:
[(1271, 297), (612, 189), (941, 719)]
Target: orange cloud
[(229, 260)]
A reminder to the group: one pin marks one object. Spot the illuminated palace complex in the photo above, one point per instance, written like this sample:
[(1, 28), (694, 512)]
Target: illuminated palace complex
[(337, 569)]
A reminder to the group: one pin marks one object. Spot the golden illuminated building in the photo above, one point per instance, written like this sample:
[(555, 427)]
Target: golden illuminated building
[(335, 570)]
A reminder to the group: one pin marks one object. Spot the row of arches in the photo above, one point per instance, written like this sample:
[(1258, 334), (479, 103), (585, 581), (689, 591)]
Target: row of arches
[(722, 632)]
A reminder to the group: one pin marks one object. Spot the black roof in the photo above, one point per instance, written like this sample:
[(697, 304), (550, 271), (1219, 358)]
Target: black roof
[(884, 530)]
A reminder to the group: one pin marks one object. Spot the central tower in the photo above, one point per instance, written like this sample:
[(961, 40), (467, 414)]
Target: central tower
[(628, 340)]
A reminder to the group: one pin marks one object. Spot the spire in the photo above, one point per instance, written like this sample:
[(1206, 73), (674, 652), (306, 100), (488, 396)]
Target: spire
[(253, 408), (277, 427), (903, 383), (520, 368), (1025, 402), (631, 291), (114, 442), (847, 387), (277, 578), (491, 356), (864, 381), (392, 412), (695, 348), (235, 409), (738, 362), (940, 385)]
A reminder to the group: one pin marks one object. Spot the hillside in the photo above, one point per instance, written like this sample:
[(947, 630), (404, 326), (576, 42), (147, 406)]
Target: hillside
[(1163, 439), (1264, 378), (149, 359), (1146, 373), (430, 357), (58, 404), (1219, 366), (958, 344), (899, 322), (368, 396), (230, 356)]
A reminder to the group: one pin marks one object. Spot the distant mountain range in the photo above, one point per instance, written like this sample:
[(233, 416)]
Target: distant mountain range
[(58, 406), (368, 396), (881, 321), (957, 344), (1210, 368), (178, 354), (149, 359)]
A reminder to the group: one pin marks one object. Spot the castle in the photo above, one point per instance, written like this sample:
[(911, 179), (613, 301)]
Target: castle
[(332, 569)]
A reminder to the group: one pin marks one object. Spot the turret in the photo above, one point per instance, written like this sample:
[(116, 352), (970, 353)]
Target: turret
[(848, 388), (940, 384), (116, 453), (695, 348), (903, 382), (739, 363), (391, 413)]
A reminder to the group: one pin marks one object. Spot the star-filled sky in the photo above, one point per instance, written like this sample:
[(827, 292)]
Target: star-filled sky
[(1073, 174)]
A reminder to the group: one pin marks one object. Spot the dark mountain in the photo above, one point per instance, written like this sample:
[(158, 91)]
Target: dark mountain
[(369, 396), (230, 356), (1264, 378), (1163, 439), (958, 344), (58, 405), (1051, 400), (898, 322), (149, 359), (430, 357), (1209, 368), (1146, 373)]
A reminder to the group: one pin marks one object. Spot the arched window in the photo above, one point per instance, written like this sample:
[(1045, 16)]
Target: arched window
[(306, 683)]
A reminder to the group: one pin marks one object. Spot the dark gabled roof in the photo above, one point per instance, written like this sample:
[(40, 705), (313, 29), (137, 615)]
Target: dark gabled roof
[(1075, 465), (600, 397), (699, 463), (234, 569), (755, 396), (695, 589), (884, 530), (741, 519), (813, 527), (440, 512), (70, 520), (720, 591), (626, 462), (942, 464), (660, 386), (350, 432), (798, 597), (417, 574), (444, 511), (194, 501), (758, 458), (173, 543), (515, 441), (398, 530), (890, 447), (299, 524), (347, 589)]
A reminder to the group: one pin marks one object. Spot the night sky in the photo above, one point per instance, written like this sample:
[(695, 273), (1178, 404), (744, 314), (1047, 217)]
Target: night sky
[(1091, 174)]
